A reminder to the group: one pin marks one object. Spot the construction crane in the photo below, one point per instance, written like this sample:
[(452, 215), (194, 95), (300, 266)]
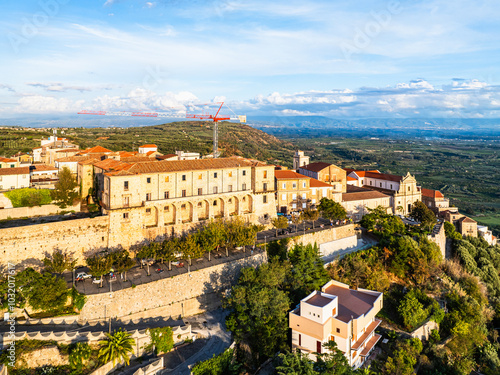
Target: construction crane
[(204, 116)]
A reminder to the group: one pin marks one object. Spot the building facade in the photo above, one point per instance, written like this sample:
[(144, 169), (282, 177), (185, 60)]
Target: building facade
[(14, 178), (328, 173), (358, 201), (337, 313), (435, 200), (299, 160)]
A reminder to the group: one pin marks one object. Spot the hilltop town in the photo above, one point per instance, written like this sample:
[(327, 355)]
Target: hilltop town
[(132, 210)]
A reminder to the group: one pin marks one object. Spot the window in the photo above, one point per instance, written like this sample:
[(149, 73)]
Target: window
[(148, 180), (318, 347), (183, 192), (338, 330), (183, 177), (265, 174), (215, 189), (304, 205), (215, 203), (166, 195), (230, 188), (303, 195), (148, 211), (334, 187), (265, 186), (215, 174), (230, 200), (391, 186), (313, 201), (303, 184), (294, 185), (370, 183), (244, 199), (148, 196), (167, 179), (264, 199), (283, 197), (294, 196), (230, 174), (12, 165), (294, 205), (125, 185), (380, 184), (200, 204), (125, 201), (409, 188), (183, 206), (125, 215), (283, 185), (200, 176), (300, 339), (166, 209), (244, 187), (244, 173), (200, 191)]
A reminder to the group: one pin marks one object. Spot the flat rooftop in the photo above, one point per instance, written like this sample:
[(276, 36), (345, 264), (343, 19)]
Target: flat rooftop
[(351, 303), (319, 300)]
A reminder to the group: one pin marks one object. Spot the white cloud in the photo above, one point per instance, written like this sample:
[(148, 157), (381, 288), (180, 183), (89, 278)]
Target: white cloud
[(47, 104)]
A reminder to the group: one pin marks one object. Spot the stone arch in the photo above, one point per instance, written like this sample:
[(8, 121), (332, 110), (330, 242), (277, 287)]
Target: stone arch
[(202, 208), (150, 216), (232, 205), (246, 204), (186, 212), (218, 207), (169, 214)]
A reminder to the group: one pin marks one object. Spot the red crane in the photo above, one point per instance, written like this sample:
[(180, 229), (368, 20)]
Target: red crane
[(204, 116)]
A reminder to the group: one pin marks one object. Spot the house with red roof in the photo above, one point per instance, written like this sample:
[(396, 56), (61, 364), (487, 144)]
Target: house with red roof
[(435, 200)]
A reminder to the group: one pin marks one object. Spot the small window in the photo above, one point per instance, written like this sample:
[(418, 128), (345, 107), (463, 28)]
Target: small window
[(265, 186), (370, 183), (166, 195), (264, 199), (283, 185), (283, 197), (230, 174), (125, 215), (244, 187), (215, 189), (215, 203), (338, 330), (391, 186), (244, 173), (303, 195), (183, 193), (244, 199), (148, 196), (148, 211), (200, 191), (166, 209), (167, 179), (409, 188), (125, 185), (215, 174), (183, 177), (200, 176), (183, 206), (200, 204), (265, 174), (380, 184), (230, 188), (148, 180), (294, 185), (303, 184), (230, 200)]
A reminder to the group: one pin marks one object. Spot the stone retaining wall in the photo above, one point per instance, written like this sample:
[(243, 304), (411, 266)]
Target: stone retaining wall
[(45, 210)]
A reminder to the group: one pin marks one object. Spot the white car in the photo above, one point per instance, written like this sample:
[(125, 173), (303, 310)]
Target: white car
[(96, 280), (83, 276)]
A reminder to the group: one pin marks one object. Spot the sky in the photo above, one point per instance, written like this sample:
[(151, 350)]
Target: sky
[(342, 59)]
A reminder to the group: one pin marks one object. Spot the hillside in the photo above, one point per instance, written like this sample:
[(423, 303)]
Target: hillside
[(234, 139)]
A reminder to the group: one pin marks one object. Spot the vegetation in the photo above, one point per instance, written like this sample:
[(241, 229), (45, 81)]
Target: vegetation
[(421, 213), (79, 354), (331, 210), (280, 222), (162, 340), (100, 265), (117, 347), (27, 197), (65, 193), (223, 364), (59, 262)]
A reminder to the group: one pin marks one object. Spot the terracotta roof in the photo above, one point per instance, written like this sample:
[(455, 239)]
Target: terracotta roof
[(316, 167), (7, 160), (137, 159), (466, 219), (127, 153), (352, 303), (112, 165), (148, 146), (186, 165), (89, 161), (355, 193), (12, 171), (95, 150), (41, 168), (432, 193), (351, 178), (69, 150), (317, 183), (288, 175)]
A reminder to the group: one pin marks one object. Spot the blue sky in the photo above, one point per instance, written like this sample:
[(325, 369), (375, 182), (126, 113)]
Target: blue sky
[(335, 58)]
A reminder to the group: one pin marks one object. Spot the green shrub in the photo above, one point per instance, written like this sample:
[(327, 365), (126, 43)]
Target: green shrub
[(219, 365), (162, 339), (29, 197)]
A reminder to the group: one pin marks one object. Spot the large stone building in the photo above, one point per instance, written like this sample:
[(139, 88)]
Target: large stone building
[(164, 193), (463, 224), (328, 173), (435, 200), (357, 201), (403, 190), (299, 160), (340, 314)]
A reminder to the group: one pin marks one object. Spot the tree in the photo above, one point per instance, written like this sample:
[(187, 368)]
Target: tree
[(190, 248), (117, 347), (59, 262), (79, 354), (259, 310), (169, 248), (100, 265), (280, 222), (223, 364), (411, 310), (64, 193), (212, 237), (451, 232), (47, 292), (423, 214), (295, 363), (331, 210), (332, 361), (149, 251), (312, 215), (297, 219), (122, 262)]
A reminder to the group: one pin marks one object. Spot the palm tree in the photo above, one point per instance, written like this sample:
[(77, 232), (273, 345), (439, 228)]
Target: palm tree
[(117, 347), (80, 353)]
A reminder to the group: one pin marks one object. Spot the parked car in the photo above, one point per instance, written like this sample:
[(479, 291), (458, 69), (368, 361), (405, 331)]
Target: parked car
[(82, 276), (96, 280)]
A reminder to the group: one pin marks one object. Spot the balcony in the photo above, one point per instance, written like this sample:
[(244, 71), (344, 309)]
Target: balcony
[(369, 330), (370, 344)]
